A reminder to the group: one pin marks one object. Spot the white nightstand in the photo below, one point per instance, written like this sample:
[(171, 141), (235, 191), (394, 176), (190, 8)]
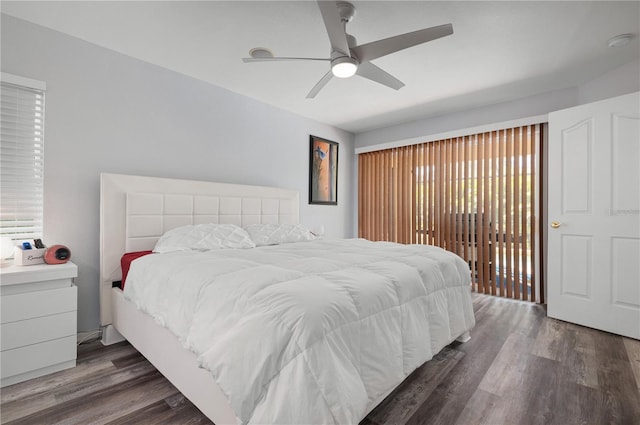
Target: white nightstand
[(38, 320)]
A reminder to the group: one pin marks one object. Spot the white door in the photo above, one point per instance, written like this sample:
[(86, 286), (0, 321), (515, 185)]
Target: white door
[(593, 260)]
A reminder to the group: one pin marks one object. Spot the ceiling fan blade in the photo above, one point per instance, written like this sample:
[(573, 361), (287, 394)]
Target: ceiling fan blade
[(334, 26), (320, 84), (282, 58), (376, 49), (372, 72)]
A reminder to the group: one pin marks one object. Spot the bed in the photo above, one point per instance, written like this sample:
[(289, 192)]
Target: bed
[(331, 383)]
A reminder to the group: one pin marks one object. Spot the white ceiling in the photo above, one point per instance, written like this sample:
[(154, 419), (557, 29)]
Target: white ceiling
[(499, 51)]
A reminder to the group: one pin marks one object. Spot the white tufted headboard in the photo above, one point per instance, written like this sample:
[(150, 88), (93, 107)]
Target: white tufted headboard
[(136, 210)]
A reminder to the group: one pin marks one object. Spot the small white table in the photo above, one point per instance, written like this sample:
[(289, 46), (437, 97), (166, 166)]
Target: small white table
[(38, 320)]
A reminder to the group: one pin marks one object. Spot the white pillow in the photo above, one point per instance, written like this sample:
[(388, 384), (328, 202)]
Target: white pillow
[(274, 234), (204, 237)]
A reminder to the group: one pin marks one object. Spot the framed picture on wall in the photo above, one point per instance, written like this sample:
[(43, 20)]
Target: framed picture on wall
[(323, 171)]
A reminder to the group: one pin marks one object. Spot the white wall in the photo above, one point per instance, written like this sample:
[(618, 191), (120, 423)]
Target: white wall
[(501, 112), (107, 112), (622, 80)]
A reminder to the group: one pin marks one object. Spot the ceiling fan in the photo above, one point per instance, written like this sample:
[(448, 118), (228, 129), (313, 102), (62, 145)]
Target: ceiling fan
[(347, 58)]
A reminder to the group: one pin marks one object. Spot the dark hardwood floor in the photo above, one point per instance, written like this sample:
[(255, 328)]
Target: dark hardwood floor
[(520, 367)]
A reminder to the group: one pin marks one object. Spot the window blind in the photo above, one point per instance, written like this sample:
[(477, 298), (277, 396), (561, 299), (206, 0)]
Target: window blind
[(473, 195), (21, 161)]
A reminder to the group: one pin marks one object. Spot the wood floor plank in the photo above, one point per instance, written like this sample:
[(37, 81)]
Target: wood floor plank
[(451, 396), (519, 367), (579, 404), (550, 342), (509, 365), (105, 405), (581, 360), (531, 403), (481, 409), (89, 363), (633, 353), (616, 381), (402, 403), (571, 344), (165, 412), (80, 386)]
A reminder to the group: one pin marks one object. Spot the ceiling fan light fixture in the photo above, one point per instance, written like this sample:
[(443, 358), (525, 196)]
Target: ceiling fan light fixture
[(260, 52), (347, 57), (344, 67)]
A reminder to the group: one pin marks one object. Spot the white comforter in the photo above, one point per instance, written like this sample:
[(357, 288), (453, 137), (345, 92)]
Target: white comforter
[(308, 332)]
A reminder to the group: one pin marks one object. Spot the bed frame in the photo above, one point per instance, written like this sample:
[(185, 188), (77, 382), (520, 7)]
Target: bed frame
[(134, 212)]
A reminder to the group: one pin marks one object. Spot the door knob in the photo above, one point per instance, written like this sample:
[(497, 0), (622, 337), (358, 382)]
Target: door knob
[(555, 224)]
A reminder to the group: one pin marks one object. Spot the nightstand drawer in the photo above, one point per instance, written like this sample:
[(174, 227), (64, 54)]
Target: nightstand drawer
[(34, 304), (37, 356), (33, 331)]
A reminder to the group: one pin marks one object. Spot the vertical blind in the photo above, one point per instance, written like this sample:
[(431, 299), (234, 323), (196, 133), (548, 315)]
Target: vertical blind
[(473, 195), (21, 161)]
